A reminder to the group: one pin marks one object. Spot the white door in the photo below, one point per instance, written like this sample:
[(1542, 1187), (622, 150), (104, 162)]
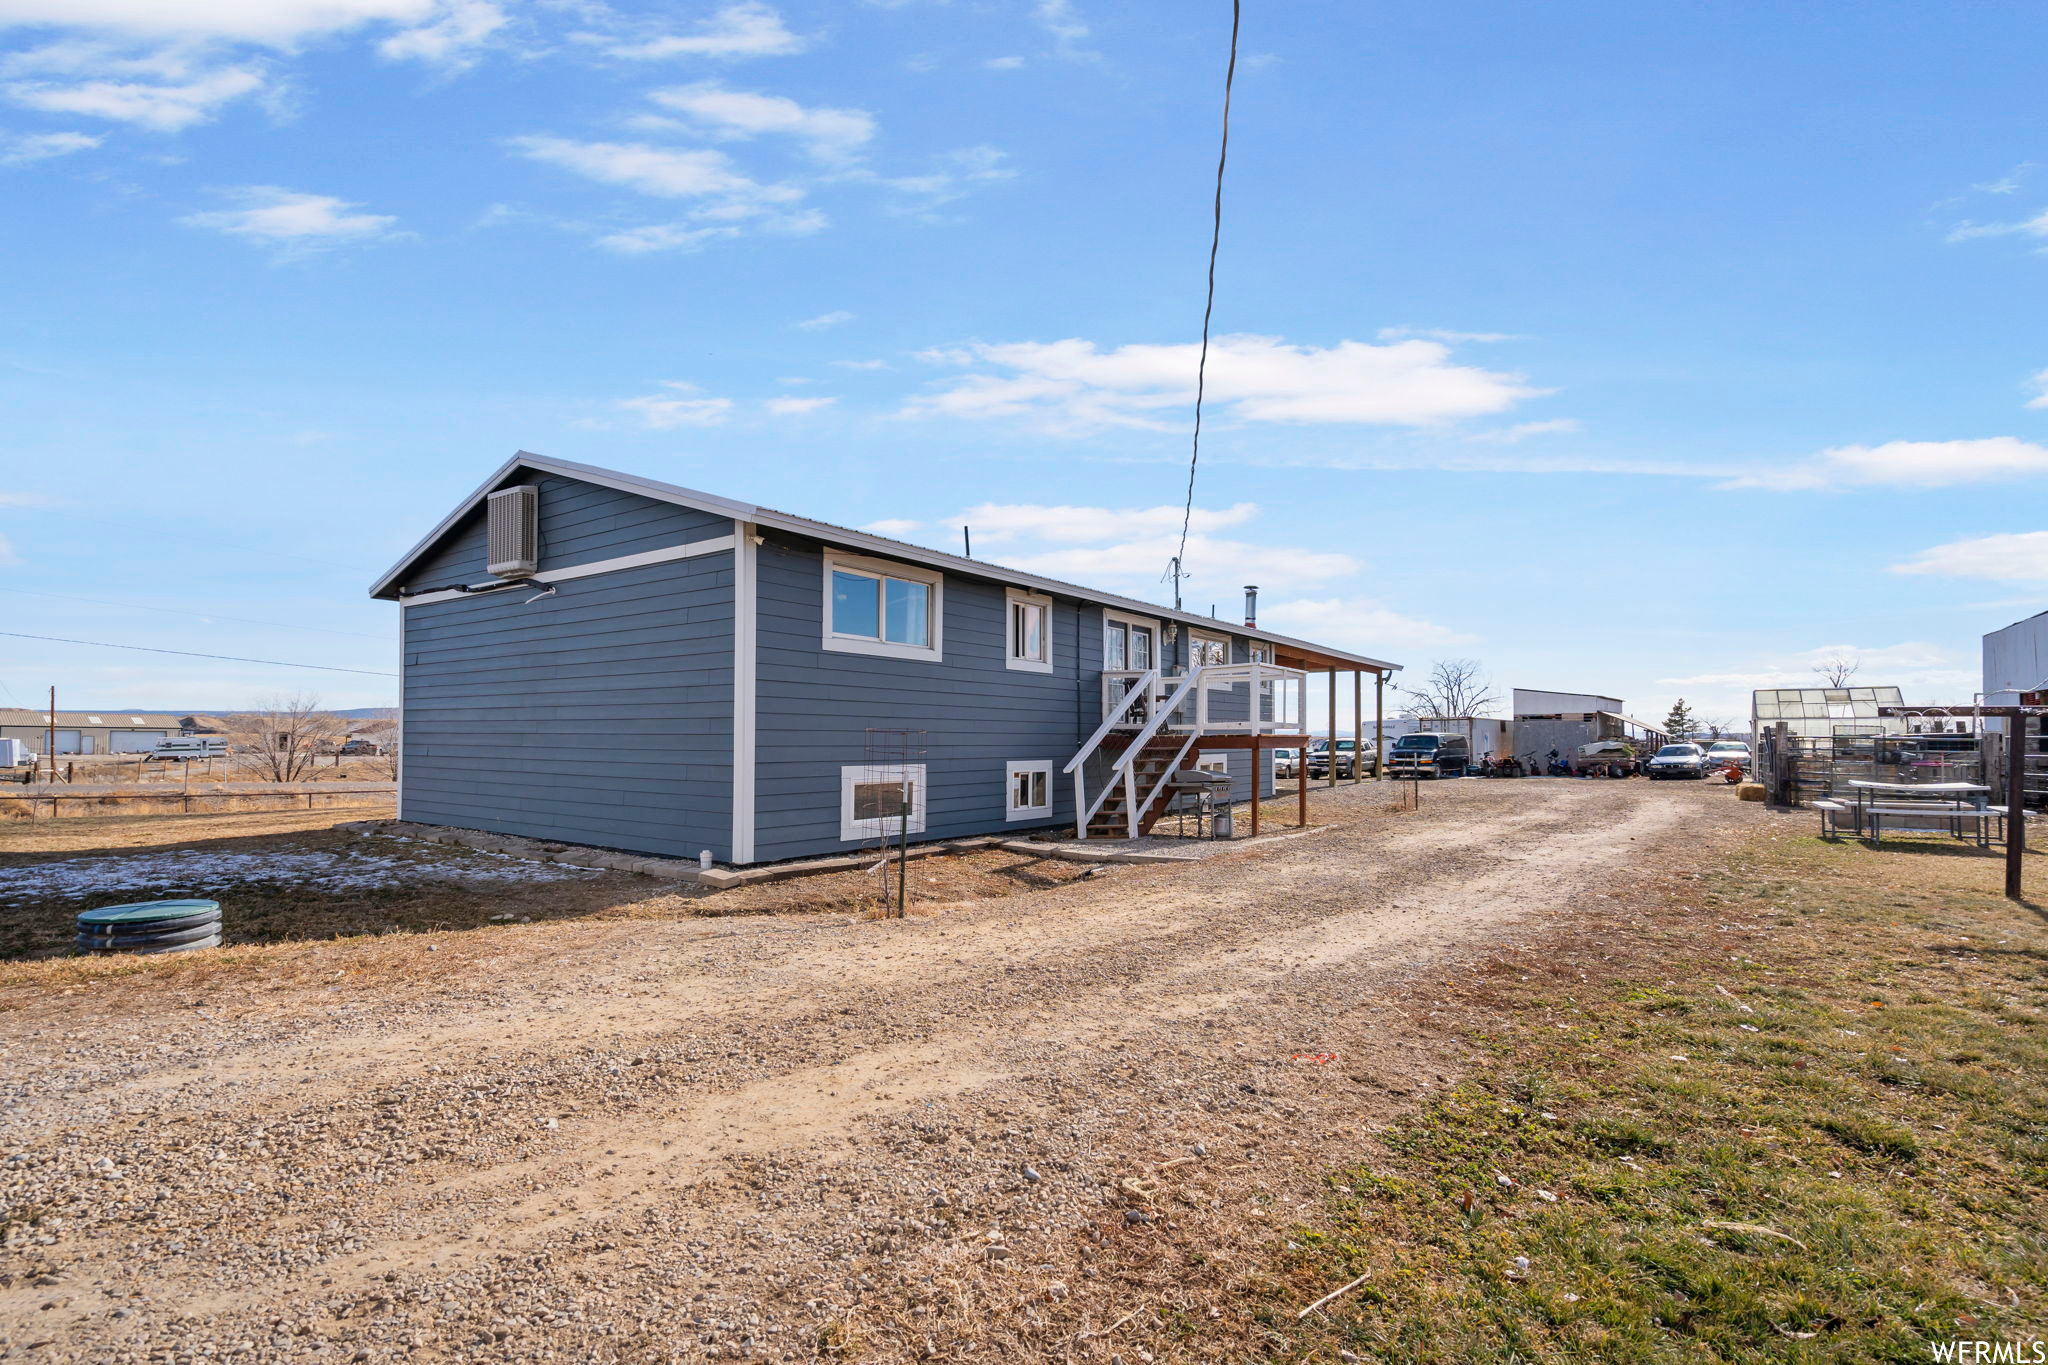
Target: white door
[(135, 741)]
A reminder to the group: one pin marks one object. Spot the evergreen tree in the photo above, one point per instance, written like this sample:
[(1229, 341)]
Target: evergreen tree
[(1681, 724)]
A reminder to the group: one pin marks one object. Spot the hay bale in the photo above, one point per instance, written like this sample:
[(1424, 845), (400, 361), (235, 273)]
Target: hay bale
[(1750, 791)]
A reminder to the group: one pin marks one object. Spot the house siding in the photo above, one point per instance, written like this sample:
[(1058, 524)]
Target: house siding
[(601, 714), (977, 714)]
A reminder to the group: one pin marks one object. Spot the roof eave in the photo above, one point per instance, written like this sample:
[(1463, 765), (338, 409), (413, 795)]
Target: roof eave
[(852, 539)]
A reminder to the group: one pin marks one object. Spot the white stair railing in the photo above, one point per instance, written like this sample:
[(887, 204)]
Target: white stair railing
[(1084, 810)]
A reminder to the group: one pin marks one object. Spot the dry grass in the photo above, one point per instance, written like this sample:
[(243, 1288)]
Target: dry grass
[(1818, 1137), (299, 937)]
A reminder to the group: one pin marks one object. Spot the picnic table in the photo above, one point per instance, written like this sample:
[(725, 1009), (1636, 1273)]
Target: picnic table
[(1948, 805)]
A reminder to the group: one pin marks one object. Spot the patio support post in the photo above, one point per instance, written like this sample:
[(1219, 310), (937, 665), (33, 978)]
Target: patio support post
[(1301, 783), (1379, 722), (1357, 725), (1258, 780), (1333, 727), (2016, 804)]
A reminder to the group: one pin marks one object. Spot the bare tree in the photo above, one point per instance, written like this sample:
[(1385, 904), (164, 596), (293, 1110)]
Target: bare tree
[(1455, 687), (1837, 669), (281, 738), (1719, 727)]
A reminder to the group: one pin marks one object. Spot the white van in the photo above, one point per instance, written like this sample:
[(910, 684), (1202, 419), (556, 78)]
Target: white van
[(190, 746)]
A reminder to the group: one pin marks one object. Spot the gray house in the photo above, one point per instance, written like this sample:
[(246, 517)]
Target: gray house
[(597, 658)]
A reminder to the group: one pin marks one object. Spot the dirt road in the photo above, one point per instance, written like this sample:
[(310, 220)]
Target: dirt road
[(997, 1129)]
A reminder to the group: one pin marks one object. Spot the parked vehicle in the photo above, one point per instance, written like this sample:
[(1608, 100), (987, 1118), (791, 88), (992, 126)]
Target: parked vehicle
[(360, 748), (1286, 763), (1319, 758), (1679, 760), (189, 747), (1428, 755), (15, 754), (1725, 751), (1606, 758)]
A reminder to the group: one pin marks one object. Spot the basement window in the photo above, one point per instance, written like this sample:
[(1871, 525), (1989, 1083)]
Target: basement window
[(873, 606), (1030, 790), (873, 798)]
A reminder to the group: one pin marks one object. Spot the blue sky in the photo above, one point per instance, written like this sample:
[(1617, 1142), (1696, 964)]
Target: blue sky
[(1639, 350)]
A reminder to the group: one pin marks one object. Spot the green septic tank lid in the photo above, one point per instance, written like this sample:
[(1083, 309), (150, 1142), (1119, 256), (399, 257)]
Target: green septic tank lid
[(146, 912)]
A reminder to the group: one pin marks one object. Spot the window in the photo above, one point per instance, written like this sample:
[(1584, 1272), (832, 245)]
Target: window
[(1029, 624), (1128, 644), (1261, 654), (1030, 790), (1204, 650), (873, 606), (873, 798)]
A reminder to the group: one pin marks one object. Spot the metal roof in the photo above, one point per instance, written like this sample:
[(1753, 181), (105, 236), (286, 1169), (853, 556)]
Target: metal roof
[(387, 585), (73, 720)]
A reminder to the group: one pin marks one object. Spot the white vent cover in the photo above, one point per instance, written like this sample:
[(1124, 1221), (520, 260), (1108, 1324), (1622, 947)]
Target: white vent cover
[(514, 531)]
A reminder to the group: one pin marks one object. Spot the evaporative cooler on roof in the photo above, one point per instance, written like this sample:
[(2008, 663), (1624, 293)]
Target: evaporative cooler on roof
[(514, 522)]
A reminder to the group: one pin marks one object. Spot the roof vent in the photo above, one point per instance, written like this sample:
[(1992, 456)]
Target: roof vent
[(514, 531)]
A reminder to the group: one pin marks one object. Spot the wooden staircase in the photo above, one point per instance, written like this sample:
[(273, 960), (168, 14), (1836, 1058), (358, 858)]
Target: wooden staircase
[(1112, 821)]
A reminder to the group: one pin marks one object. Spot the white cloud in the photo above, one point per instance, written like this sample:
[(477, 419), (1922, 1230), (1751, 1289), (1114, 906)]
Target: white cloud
[(2036, 226), (2039, 384), (736, 31), (1003, 63), (894, 527), (664, 172), (7, 555), (1907, 464), (1522, 431), (163, 91), (22, 148), (275, 23), (281, 217), (1359, 623), (833, 135), (2020, 557), (862, 364), (1060, 19), (452, 39), (1073, 386), (653, 237), (796, 407), (824, 320), (1925, 672), (1070, 524), (1441, 334), (2008, 182), (675, 408)]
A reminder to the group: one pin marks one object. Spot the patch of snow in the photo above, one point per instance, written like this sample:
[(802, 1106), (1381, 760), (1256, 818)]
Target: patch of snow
[(196, 872)]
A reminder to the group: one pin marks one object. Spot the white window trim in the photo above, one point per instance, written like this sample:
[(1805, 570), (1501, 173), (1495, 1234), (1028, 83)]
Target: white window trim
[(1010, 775), (855, 774), (887, 649), (1112, 618), (1213, 638), (1011, 659)]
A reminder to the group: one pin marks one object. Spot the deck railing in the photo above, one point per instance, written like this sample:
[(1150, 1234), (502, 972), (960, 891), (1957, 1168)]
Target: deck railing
[(1141, 703)]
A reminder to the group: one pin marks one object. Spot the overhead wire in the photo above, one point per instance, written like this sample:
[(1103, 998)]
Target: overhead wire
[(193, 654), (1209, 301)]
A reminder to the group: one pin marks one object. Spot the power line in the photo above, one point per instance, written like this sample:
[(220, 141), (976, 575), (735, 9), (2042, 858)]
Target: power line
[(203, 615), (1209, 302), (190, 654)]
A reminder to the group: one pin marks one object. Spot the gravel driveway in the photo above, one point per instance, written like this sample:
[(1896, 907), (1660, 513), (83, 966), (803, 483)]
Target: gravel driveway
[(985, 1134)]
